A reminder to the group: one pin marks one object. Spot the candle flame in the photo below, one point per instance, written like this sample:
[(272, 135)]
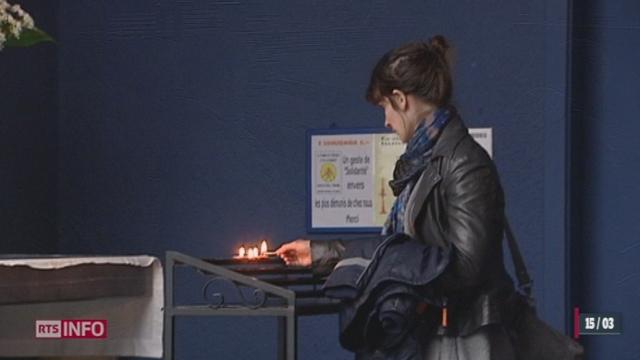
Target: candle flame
[(253, 252), (263, 247)]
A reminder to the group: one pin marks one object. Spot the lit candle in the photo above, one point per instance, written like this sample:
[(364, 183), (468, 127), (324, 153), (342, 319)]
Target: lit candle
[(242, 252), (263, 248)]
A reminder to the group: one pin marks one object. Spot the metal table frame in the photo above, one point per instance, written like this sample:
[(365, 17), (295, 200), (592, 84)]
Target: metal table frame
[(286, 312)]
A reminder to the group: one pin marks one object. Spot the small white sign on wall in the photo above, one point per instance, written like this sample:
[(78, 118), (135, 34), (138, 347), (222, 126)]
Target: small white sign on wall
[(484, 137)]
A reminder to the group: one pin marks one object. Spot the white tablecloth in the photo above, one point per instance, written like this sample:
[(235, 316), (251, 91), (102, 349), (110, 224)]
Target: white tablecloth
[(134, 322)]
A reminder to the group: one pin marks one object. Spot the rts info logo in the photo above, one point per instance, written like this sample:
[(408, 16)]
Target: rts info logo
[(71, 329)]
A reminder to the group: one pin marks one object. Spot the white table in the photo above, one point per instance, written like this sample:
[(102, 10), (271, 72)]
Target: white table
[(135, 322)]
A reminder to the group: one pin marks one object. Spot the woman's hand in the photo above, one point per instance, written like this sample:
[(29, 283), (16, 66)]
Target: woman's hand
[(296, 253)]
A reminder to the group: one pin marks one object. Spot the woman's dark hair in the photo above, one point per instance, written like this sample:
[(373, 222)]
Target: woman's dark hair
[(418, 68)]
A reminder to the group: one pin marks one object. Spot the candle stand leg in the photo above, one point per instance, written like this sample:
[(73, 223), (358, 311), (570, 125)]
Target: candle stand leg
[(287, 335), (282, 338), (292, 336)]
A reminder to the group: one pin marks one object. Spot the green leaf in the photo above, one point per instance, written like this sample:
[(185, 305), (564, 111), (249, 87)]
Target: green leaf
[(29, 37)]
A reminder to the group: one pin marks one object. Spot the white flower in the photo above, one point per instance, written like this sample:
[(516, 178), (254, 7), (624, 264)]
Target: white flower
[(16, 30), (16, 9), (9, 19), (27, 21), (13, 21)]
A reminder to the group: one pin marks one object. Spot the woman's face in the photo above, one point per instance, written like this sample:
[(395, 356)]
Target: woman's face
[(395, 120)]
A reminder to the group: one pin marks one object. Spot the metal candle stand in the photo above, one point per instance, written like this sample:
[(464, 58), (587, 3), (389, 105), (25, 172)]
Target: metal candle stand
[(277, 290)]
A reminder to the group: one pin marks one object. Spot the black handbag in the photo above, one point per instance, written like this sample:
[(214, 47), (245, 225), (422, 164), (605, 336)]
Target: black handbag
[(534, 339)]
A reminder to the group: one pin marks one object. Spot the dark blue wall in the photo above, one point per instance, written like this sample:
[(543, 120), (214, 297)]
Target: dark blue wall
[(28, 141), (606, 181)]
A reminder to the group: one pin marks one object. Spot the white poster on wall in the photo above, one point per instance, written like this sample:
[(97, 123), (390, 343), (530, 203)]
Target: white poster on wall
[(341, 180), (350, 174)]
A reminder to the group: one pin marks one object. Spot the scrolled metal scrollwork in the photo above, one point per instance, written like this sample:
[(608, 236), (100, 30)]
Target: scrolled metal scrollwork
[(217, 299)]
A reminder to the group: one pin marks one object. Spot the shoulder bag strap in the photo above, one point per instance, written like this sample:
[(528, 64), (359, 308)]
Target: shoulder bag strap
[(524, 281)]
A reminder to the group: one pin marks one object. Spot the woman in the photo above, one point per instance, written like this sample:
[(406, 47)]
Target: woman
[(448, 195)]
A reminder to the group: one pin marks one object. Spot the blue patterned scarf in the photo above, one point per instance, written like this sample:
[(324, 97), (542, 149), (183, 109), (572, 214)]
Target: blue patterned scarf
[(410, 166)]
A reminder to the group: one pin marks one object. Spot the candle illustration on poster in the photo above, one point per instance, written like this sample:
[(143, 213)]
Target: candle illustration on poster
[(382, 194)]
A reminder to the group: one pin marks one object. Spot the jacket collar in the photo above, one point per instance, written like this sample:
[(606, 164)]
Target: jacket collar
[(452, 133)]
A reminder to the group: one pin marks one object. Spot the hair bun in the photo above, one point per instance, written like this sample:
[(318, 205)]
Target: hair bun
[(439, 44)]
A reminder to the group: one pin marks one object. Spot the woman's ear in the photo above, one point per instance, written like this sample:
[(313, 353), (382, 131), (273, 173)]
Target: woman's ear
[(399, 98)]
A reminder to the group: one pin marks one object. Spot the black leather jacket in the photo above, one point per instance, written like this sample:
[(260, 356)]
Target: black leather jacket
[(457, 201)]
